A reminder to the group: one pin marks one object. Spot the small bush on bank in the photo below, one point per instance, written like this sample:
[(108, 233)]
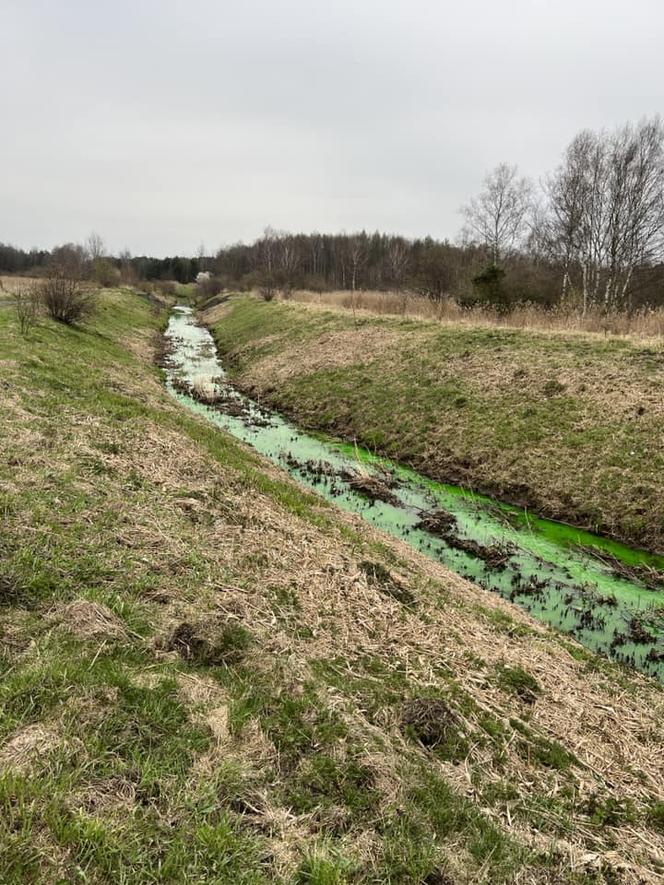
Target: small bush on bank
[(65, 299), (105, 273), (210, 286), (28, 306)]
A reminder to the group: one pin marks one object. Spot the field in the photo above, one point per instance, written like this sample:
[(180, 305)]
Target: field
[(569, 424), (644, 323), (210, 675), (8, 286)]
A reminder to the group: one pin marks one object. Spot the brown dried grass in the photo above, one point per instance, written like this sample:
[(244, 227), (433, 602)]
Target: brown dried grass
[(250, 542), (9, 285), (21, 751), (112, 796), (642, 324), (91, 620), (616, 734)]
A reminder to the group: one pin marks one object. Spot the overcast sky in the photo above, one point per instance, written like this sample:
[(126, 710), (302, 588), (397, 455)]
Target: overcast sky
[(163, 124)]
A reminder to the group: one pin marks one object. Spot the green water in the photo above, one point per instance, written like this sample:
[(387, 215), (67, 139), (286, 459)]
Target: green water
[(553, 570)]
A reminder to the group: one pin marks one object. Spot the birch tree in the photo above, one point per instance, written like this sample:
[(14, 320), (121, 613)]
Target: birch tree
[(357, 257), (397, 261), (95, 247), (497, 217), (606, 211)]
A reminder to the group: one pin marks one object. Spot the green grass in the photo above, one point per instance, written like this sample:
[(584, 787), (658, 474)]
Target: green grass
[(249, 753), (569, 425)]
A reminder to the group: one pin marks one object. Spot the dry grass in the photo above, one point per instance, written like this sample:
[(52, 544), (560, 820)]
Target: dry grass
[(643, 324), (25, 747), (91, 620), (11, 284), (566, 423), (183, 525)]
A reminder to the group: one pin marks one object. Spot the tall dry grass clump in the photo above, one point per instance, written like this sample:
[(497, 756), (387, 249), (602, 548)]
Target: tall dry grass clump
[(643, 323)]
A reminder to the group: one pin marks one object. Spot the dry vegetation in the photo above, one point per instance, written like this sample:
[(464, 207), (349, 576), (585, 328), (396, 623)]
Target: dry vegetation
[(9, 284), (208, 677), (642, 323), (570, 424)]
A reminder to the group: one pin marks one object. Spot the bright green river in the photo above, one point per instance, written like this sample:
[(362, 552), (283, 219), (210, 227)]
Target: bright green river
[(564, 576)]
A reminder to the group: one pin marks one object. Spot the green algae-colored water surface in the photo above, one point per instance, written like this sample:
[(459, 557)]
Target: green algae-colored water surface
[(608, 595)]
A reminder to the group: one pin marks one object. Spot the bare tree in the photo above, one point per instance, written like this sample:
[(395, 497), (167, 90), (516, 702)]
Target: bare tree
[(635, 217), (497, 218), (315, 242), (357, 256), (68, 260), (266, 250), (287, 260), (397, 261), (95, 247), (606, 211), (62, 293), (566, 227), (128, 274)]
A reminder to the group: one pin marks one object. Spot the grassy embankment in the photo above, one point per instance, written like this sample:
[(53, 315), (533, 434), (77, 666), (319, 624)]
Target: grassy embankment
[(571, 425), (208, 675)]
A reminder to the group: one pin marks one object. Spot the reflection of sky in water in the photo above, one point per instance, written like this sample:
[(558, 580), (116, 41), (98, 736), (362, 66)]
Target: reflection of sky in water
[(571, 590)]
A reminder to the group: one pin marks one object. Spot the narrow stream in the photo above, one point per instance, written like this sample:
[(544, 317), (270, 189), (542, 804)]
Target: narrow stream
[(608, 595)]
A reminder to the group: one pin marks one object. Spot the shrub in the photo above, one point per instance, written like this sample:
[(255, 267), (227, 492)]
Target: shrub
[(28, 303), (210, 286), (267, 288), (490, 287), (65, 299), (105, 273)]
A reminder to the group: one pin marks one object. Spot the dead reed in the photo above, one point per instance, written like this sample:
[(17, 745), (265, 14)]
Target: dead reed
[(644, 323)]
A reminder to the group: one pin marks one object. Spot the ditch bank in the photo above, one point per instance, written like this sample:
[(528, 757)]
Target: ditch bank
[(569, 425), (607, 595)]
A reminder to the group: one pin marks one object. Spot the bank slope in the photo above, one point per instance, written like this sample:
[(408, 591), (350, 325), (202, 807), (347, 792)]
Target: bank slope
[(570, 425), (210, 675)]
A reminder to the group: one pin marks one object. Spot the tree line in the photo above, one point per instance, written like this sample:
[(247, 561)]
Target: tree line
[(591, 233), (104, 268)]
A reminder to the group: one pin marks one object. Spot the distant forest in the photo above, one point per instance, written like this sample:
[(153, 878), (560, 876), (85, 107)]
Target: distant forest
[(592, 234), (375, 261)]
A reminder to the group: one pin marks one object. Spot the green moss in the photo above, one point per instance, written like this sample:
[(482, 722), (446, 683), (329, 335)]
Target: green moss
[(519, 682), (610, 811), (655, 816)]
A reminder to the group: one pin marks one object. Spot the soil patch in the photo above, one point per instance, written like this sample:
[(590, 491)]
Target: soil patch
[(223, 644), (430, 720), (444, 525)]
